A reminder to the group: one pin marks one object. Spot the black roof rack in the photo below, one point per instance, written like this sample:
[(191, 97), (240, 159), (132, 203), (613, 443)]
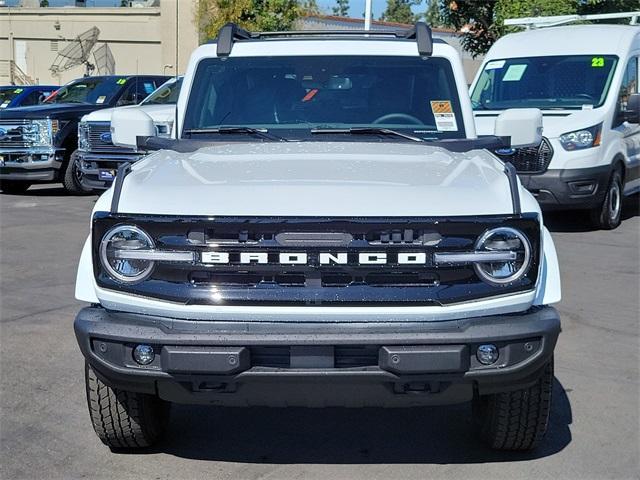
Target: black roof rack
[(230, 33)]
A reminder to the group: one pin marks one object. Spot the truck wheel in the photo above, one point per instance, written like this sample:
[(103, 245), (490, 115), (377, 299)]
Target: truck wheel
[(515, 420), (124, 420), (14, 187), (608, 215), (72, 180)]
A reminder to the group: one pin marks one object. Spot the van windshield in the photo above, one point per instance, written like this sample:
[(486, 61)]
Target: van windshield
[(554, 82), (300, 96)]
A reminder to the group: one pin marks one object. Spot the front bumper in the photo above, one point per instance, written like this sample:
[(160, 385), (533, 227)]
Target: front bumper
[(32, 165), (94, 165), (312, 364), (569, 188)]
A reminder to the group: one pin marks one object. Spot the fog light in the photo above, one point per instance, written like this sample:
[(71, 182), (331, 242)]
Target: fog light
[(143, 354), (487, 354)]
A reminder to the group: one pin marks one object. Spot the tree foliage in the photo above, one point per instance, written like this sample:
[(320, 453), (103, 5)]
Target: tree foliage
[(399, 11), (257, 15), (481, 21), (341, 8)]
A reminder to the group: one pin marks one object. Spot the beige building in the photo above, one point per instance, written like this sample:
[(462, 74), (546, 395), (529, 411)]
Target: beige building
[(141, 39)]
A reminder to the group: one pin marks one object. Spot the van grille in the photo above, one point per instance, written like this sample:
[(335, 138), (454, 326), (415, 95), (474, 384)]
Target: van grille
[(530, 159)]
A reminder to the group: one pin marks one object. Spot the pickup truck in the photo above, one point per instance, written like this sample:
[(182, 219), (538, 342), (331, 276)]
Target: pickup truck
[(325, 228), (37, 143), (98, 158), (12, 96)]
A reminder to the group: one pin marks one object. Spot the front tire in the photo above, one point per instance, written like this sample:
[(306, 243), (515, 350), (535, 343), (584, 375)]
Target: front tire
[(608, 215), (516, 420), (72, 179), (14, 187), (122, 419)]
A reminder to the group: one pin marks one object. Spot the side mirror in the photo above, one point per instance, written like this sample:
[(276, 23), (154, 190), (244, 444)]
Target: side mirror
[(127, 124), (632, 112), (523, 125)]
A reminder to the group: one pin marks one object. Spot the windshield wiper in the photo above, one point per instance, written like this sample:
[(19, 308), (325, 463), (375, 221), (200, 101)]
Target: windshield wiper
[(366, 131), (259, 132)]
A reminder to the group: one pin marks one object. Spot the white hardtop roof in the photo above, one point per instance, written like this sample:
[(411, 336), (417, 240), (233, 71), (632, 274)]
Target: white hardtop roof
[(568, 40), (325, 46)]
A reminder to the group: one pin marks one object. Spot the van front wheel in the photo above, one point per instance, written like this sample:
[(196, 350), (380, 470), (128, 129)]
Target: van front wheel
[(608, 215)]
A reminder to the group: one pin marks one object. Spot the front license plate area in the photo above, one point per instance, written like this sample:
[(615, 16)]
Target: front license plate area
[(107, 175)]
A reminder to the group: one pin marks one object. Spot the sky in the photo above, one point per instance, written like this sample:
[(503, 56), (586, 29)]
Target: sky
[(357, 6)]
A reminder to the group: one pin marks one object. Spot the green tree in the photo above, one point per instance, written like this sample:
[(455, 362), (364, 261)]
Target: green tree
[(341, 8), (399, 11), (586, 7), (44, 3), (257, 15), (124, 3), (433, 15)]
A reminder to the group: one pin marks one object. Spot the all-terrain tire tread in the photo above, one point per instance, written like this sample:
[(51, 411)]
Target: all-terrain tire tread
[(518, 420), (123, 419)]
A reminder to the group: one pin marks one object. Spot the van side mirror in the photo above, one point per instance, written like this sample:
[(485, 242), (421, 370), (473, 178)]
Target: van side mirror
[(127, 124), (522, 125), (632, 112)]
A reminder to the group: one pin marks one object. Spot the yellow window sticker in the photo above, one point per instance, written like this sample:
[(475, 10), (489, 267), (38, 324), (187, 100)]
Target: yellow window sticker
[(121, 81), (443, 115), (18, 90), (597, 62)]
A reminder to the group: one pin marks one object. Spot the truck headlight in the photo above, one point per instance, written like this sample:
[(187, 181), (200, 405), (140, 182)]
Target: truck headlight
[(508, 240), (83, 136), (122, 253), (40, 133), (579, 139)]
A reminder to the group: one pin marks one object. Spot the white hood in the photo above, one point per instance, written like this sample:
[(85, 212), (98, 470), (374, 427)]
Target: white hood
[(158, 113), (554, 122), (317, 179)]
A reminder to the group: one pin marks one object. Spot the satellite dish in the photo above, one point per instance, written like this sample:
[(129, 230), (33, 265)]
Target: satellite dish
[(77, 53), (104, 61)]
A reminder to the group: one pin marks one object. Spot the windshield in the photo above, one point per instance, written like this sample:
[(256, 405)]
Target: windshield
[(562, 82), (8, 94), (97, 90), (166, 94), (297, 95)]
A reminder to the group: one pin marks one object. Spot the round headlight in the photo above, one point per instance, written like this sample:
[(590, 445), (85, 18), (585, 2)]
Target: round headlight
[(117, 253), (504, 239)]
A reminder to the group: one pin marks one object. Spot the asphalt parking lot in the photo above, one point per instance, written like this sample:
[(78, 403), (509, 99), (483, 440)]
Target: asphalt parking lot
[(45, 430)]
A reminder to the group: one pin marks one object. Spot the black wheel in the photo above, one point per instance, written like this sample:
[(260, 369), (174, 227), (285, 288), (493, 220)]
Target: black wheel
[(14, 187), (124, 420), (515, 420), (608, 215), (72, 179)]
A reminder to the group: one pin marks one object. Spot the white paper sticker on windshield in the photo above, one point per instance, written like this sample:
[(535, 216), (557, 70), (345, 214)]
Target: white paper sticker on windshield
[(514, 73), (494, 64), (443, 115), (101, 99), (5, 104)]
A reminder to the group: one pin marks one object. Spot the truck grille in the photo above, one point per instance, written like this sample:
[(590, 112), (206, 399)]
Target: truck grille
[(313, 282), (11, 135), (529, 159), (99, 138)]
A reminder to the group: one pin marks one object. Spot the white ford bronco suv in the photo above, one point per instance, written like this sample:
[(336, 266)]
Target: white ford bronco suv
[(324, 229)]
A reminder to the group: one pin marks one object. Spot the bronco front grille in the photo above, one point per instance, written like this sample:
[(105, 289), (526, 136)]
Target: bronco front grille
[(314, 282), (529, 159), (11, 135)]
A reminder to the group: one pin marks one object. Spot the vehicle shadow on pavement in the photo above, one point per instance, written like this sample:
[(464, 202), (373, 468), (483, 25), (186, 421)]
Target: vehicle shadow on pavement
[(439, 435), (578, 220), (46, 190)]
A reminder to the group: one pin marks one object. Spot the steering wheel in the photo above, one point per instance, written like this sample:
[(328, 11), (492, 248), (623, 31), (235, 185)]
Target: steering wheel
[(402, 116)]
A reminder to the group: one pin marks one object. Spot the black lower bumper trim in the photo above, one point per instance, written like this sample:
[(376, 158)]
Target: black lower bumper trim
[(317, 364), (579, 188)]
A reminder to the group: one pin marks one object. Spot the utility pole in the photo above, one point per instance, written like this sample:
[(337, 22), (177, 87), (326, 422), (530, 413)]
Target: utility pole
[(367, 15)]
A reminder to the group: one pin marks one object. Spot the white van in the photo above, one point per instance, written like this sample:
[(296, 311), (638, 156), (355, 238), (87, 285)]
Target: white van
[(584, 78)]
